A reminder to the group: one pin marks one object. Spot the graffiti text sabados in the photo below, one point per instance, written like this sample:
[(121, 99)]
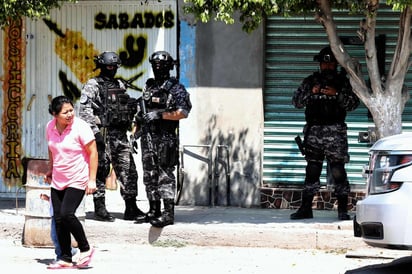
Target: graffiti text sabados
[(138, 20)]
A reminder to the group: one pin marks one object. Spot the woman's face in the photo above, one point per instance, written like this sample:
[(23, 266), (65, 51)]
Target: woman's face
[(66, 115)]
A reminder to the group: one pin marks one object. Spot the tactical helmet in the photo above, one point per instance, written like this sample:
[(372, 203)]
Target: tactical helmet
[(161, 60), (325, 55), (108, 58)]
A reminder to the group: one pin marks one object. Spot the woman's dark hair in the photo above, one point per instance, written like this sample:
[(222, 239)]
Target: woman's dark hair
[(57, 103)]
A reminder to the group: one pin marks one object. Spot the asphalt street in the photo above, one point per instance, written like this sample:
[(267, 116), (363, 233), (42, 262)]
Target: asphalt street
[(208, 240)]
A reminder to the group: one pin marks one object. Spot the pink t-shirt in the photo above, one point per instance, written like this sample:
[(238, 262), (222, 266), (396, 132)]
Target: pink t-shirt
[(70, 158)]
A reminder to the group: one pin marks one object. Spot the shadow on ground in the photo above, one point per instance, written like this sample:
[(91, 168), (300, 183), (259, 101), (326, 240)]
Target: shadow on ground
[(399, 266)]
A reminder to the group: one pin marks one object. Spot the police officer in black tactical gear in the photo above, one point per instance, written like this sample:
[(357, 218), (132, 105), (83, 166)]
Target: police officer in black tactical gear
[(163, 103), (326, 96), (109, 110)]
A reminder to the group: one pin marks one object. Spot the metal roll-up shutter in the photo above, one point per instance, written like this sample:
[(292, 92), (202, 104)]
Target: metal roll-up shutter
[(291, 44)]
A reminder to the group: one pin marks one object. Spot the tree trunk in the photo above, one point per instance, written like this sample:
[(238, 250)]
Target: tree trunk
[(387, 114), (385, 100)]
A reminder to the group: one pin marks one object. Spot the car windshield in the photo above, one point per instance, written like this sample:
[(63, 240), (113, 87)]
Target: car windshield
[(383, 167)]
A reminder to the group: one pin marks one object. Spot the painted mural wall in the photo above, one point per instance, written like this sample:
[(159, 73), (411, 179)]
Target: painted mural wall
[(13, 98), (54, 56)]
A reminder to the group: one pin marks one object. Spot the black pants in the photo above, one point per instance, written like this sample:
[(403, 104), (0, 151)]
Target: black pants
[(338, 173), (65, 203)]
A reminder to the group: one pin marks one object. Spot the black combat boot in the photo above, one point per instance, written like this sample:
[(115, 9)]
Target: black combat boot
[(132, 211), (305, 209), (154, 212), (168, 215), (100, 211), (343, 208)]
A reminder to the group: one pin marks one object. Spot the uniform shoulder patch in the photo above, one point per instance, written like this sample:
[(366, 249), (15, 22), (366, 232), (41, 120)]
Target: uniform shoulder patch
[(83, 99)]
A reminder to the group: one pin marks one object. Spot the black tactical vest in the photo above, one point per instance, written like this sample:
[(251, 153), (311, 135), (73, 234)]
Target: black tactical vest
[(118, 105), (160, 98)]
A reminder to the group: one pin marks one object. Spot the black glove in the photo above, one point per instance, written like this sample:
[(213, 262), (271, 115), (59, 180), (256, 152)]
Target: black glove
[(153, 115)]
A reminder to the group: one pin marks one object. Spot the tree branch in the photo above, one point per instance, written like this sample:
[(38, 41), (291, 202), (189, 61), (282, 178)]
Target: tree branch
[(403, 47), (325, 17), (370, 47)]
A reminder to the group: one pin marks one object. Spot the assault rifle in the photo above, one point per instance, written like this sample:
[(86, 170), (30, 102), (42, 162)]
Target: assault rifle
[(148, 134), (128, 83)]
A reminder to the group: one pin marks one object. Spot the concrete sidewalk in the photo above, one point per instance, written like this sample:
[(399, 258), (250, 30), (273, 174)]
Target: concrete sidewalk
[(216, 239), (214, 226)]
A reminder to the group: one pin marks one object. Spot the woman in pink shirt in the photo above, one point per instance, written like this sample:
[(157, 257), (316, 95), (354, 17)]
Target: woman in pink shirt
[(72, 174)]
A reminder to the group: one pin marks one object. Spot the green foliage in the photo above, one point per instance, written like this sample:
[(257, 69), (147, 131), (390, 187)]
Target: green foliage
[(13, 9), (253, 12), (399, 4)]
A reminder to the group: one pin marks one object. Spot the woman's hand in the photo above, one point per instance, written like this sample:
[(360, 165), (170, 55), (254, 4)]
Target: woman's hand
[(91, 187), (48, 177)]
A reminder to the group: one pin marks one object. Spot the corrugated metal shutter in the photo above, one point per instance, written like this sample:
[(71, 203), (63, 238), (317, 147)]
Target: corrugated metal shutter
[(57, 60), (291, 44), (56, 63)]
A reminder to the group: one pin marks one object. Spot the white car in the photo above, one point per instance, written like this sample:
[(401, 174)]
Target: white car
[(384, 217)]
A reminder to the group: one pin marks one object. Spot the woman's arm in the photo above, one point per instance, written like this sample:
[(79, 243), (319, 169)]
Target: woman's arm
[(91, 150), (49, 173)]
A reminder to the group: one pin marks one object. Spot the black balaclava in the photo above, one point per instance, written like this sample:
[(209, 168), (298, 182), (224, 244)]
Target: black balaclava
[(109, 73), (162, 64)]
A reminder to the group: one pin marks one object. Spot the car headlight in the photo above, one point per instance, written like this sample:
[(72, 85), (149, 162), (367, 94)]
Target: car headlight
[(382, 169)]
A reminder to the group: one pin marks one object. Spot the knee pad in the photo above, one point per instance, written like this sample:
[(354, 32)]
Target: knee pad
[(313, 171), (338, 171)]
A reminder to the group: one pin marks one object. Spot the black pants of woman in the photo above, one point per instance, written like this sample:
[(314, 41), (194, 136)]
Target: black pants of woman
[(65, 203)]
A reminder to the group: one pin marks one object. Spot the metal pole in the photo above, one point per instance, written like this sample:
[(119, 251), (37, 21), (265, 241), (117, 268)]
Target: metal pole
[(207, 160), (226, 165)]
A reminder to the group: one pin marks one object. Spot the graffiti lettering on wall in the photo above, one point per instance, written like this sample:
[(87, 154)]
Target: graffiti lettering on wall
[(13, 87), (78, 54), (138, 20), (130, 56)]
